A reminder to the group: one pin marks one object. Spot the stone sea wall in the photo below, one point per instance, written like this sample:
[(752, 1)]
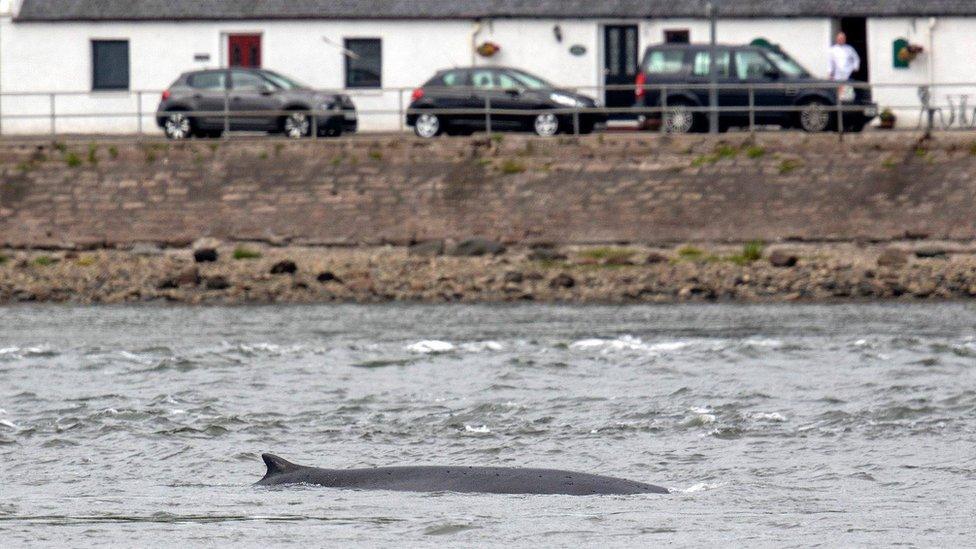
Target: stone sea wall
[(602, 189), (606, 218)]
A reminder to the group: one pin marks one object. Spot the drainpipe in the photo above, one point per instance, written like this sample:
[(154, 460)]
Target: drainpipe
[(932, 24), (478, 25)]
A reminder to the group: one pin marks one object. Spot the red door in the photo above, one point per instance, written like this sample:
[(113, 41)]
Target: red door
[(244, 50)]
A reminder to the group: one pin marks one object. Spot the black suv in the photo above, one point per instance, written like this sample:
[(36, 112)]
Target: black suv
[(470, 90), (780, 82), (245, 93)]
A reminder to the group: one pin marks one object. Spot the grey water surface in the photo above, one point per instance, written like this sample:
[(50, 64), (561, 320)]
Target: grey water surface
[(776, 425)]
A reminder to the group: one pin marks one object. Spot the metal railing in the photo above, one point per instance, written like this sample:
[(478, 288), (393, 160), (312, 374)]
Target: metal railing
[(58, 110)]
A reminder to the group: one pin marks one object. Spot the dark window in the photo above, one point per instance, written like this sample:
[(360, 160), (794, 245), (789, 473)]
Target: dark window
[(665, 62), (209, 80), (751, 65), (364, 63), (701, 65), (681, 36), (454, 79), (110, 64), (247, 81)]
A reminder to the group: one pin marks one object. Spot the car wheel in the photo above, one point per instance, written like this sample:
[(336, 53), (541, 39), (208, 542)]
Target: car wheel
[(427, 126), (679, 118), (297, 125), (814, 117), (546, 124), (177, 126)]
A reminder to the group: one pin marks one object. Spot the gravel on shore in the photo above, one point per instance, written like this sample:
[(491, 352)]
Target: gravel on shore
[(482, 271)]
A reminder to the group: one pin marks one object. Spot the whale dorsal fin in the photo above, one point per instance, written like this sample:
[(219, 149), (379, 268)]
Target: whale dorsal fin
[(277, 465)]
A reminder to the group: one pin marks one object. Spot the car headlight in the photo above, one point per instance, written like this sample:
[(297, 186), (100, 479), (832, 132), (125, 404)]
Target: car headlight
[(845, 93), (565, 100)]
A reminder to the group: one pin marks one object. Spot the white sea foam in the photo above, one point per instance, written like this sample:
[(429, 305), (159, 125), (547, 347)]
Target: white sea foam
[(627, 343), (431, 346), (702, 486), (481, 346), (478, 429), (9, 424), (768, 416), (762, 342)]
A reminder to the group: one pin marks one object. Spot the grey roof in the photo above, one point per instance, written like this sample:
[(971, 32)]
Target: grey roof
[(171, 10)]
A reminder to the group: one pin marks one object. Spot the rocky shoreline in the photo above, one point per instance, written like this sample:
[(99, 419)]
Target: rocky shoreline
[(211, 272)]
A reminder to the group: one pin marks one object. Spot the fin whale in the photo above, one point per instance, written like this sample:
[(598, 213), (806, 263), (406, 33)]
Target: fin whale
[(490, 480)]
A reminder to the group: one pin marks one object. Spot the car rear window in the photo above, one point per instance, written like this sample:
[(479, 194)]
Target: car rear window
[(208, 80), (449, 79), (665, 62)]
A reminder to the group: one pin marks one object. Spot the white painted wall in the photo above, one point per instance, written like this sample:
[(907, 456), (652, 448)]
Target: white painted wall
[(532, 45), (950, 45), (44, 57), (56, 57)]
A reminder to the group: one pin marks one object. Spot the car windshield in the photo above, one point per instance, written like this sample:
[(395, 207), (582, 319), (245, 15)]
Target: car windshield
[(786, 64), (529, 81), (283, 82)]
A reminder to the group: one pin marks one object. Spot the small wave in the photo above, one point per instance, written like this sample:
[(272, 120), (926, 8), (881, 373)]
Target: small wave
[(9, 424), (768, 416), (627, 343), (16, 353), (481, 346), (435, 346), (431, 346), (701, 487), (699, 419), (481, 429)]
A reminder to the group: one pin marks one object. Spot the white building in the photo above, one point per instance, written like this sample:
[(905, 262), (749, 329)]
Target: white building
[(115, 56)]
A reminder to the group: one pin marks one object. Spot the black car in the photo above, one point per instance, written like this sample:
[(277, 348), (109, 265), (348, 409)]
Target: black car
[(246, 93), (809, 103), (470, 90)]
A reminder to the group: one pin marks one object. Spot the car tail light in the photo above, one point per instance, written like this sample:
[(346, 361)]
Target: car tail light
[(640, 81), (417, 94), (166, 95)]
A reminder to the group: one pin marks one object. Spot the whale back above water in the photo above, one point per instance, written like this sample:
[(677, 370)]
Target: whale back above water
[(489, 480)]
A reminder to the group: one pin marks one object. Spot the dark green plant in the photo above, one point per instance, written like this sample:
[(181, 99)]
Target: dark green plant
[(788, 165), (691, 253), (44, 260), (113, 152), (92, 154), (60, 147), (608, 254), (73, 160), (241, 252), (376, 154), (755, 151), (511, 167)]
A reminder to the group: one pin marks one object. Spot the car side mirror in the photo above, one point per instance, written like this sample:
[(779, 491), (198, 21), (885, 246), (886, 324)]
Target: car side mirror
[(514, 92), (267, 89), (772, 74)]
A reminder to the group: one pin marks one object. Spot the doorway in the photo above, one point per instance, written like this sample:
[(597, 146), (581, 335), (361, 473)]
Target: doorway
[(244, 50), (856, 29), (619, 66)]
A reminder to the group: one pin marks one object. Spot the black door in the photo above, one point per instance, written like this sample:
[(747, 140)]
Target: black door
[(620, 66), (857, 36)]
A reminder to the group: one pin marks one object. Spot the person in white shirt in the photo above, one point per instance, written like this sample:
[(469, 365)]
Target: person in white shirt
[(844, 60)]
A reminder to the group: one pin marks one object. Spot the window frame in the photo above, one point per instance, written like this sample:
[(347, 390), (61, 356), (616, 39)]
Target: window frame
[(669, 34), (95, 86), (347, 46)]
